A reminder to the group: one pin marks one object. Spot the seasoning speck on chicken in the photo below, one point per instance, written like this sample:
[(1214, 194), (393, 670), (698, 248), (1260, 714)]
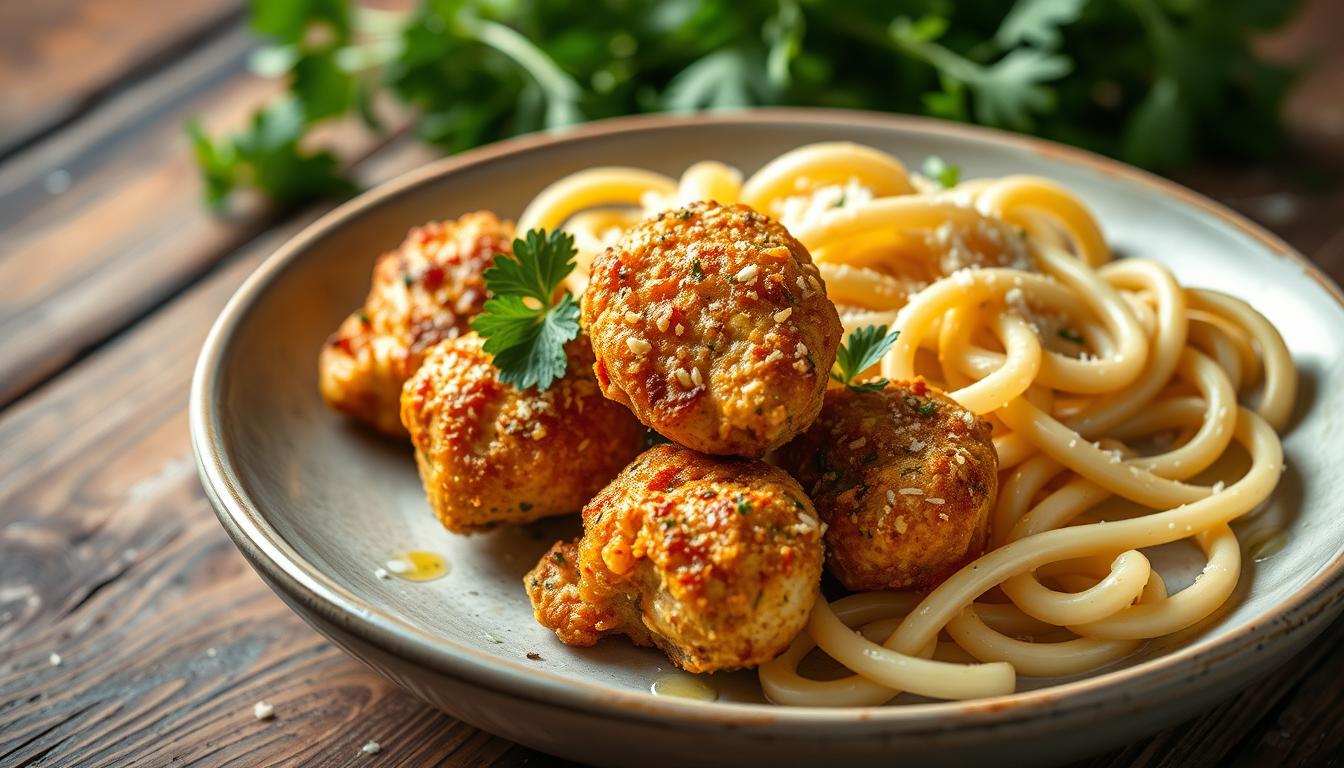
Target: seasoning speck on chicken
[(711, 323), (426, 290), (715, 561), (906, 479), (490, 454)]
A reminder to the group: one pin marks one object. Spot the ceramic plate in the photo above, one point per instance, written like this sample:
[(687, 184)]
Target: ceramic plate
[(317, 503)]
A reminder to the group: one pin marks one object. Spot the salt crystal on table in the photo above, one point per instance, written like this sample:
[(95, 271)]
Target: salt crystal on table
[(371, 748), (263, 711)]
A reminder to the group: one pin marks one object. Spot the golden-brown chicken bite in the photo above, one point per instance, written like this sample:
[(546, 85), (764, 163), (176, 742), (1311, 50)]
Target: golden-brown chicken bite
[(489, 454), (711, 323), (426, 290), (906, 479), (715, 561)]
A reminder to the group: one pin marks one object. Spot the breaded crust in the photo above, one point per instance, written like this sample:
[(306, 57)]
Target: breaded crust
[(711, 323), (489, 454), (715, 561), (426, 290), (906, 480)]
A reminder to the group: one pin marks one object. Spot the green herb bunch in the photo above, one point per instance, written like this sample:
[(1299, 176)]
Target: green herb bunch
[(1154, 82)]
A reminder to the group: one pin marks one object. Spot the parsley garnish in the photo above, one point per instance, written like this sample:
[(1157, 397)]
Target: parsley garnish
[(860, 352), (1069, 334), (559, 558), (475, 71), (695, 270), (525, 327), (941, 171), (743, 505), (928, 408)]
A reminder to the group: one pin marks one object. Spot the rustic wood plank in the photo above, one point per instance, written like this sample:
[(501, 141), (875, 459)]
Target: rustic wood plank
[(130, 229), (57, 56), (1210, 740), (1306, 729)]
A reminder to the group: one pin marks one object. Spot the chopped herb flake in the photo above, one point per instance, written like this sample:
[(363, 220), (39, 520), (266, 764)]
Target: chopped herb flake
[(941, 171), (1068, 334)]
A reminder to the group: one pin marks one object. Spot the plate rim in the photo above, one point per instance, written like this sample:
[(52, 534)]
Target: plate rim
[(285, 570)]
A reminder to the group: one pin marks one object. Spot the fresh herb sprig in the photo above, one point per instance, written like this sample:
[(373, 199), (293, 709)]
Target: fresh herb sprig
[(941, 171), (1155, 91), (525, 324), (861, 351)]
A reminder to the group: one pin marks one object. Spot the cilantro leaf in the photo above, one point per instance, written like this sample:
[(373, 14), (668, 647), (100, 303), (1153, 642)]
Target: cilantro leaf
[(524, 325), (861, 351), (938, 169)]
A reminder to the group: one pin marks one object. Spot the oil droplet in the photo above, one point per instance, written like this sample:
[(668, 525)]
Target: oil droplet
[(418, 565), (683, 687), (1265, 544)]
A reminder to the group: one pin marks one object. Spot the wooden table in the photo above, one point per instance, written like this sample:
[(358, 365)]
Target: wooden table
[(131, 631)]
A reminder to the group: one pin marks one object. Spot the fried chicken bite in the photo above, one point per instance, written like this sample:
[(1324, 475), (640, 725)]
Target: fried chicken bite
[(715, 561), (490, 454), (711, 323), (906, 480), (426, 290)]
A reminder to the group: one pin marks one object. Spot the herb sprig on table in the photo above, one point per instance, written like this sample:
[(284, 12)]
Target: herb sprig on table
[(1150, 81)]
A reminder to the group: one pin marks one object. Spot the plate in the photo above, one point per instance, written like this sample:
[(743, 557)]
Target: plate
[(317, 504)]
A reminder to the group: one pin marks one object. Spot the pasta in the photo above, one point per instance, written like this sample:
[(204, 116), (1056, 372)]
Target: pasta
[(1105, 381)]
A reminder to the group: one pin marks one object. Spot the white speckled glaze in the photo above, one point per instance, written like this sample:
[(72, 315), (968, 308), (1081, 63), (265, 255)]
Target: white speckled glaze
[(316, 504)]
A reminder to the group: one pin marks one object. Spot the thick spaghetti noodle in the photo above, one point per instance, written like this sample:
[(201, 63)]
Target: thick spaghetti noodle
[(1005, 295)]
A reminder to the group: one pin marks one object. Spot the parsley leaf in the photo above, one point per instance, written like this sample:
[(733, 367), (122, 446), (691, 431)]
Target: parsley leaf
[(267, 156), (1150, 81), (861, 351), (525, 327), (1037, 22), (941, 171), (732, 77), (1005, 92)]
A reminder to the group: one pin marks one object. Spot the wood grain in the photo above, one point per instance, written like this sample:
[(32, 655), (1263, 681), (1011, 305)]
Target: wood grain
[(111, 558), (130, 230), (58, 56), (109, 555)]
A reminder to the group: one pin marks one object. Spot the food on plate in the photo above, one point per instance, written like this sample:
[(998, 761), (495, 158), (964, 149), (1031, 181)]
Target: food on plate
[(490, 453), (426, 290), (713, 560), (1102, 379), (711, 324), (1014, 419), (905, 479)]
